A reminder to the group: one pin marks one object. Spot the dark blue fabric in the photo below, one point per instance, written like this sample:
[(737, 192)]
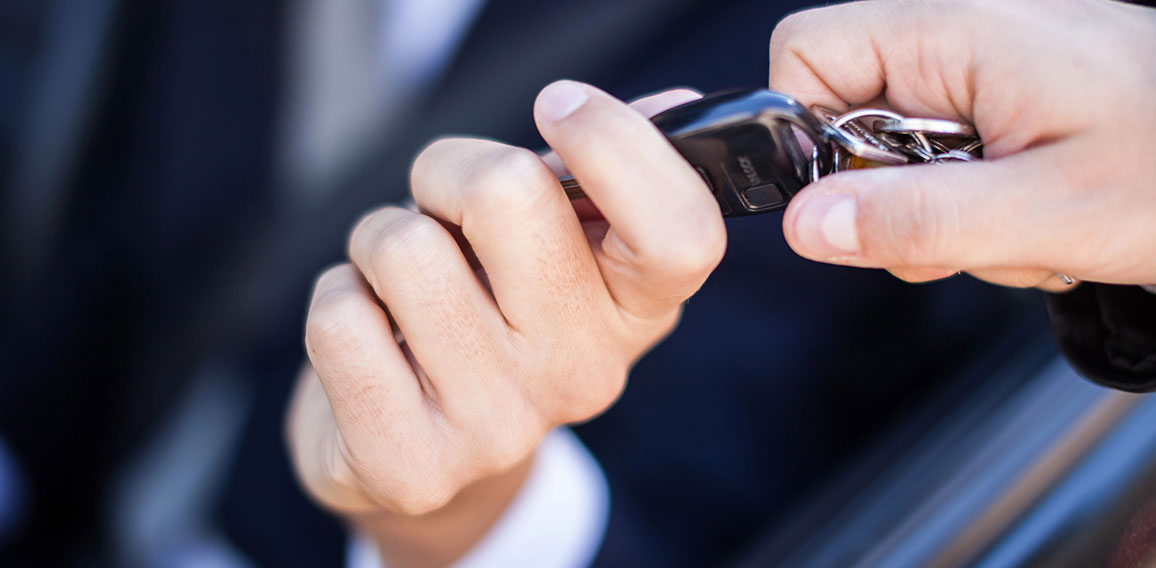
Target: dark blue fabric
[(174, 174)]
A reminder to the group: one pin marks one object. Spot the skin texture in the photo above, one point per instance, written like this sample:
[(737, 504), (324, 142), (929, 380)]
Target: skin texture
[(462, 332), (1060, 91)]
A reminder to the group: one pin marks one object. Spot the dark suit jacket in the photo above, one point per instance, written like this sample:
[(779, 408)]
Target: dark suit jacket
[(170, 247)]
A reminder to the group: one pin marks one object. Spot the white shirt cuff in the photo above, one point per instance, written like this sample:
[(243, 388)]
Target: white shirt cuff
[(556, 521)]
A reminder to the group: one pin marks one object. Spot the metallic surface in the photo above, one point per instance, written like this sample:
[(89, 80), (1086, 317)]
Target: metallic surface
[(1046, 470), (906, 125)]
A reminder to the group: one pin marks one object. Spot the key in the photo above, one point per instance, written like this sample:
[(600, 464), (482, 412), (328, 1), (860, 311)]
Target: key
[(744, 145), (908, 125)]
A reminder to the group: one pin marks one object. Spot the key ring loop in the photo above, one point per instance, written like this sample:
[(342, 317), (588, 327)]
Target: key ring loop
[(822, 160), (845, 131)]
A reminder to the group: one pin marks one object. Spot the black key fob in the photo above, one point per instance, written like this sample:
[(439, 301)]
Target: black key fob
[(744, 145)]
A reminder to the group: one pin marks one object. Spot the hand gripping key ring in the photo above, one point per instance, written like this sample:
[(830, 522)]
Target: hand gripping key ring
[(749, 146)]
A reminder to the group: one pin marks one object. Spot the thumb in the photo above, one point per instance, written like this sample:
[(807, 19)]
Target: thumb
[(956, 215)]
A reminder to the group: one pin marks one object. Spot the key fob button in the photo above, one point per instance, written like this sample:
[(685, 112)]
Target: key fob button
[(762, 197)]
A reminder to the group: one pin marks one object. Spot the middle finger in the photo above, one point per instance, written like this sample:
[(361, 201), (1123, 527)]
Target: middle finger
[(515, 216)]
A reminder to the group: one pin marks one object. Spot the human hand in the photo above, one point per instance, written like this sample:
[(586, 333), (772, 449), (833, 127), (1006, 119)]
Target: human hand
[(513, 314), (1060, 93)]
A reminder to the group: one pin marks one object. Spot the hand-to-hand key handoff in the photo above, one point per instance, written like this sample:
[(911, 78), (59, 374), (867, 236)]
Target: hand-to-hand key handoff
[(751, 147)]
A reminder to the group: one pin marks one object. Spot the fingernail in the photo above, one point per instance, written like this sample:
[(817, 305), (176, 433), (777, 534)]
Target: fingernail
[(561, 99), (827, 226)]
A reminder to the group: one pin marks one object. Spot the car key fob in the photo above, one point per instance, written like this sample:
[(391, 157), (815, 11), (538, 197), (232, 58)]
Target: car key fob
[(744, 144)]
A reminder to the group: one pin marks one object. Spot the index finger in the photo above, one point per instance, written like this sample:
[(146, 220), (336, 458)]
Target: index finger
[(665, 230), (916, 53), (649, 106)]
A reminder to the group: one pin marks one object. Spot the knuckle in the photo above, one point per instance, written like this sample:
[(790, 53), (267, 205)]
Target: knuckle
[(403, 239), (421, 497), (914, 227), (789, 27), (686, 253), (332, 319), (557, 385), (922, 231), (334, 277), (794, 30), (510, 444), (509, 178), (431, 155), (415, 488), (330, 327), (591, 393)]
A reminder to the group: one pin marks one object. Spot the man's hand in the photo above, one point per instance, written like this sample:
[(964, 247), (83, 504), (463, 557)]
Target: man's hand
[(462, 333), (1061, 93)]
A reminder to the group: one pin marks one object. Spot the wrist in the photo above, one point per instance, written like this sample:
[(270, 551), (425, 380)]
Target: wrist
[(557, 519), (442, 536)]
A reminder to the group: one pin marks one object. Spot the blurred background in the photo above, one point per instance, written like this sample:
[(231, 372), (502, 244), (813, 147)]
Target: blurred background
[(173, 173)]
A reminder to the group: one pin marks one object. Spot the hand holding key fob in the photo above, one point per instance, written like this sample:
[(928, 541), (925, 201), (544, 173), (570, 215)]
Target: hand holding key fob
[(746, 145)]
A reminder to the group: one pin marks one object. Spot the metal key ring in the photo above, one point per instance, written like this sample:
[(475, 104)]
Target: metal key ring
[(806, 123), (864, 113), (953, 156), (856, 139), (815, 167), (934, 126)]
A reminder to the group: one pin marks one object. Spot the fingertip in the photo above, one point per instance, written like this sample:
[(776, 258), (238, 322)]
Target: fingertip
[(823, 225), (560, 99)]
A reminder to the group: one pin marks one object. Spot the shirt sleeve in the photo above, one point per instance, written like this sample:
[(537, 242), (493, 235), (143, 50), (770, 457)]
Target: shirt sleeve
[(1108, 333), (556, 521)]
